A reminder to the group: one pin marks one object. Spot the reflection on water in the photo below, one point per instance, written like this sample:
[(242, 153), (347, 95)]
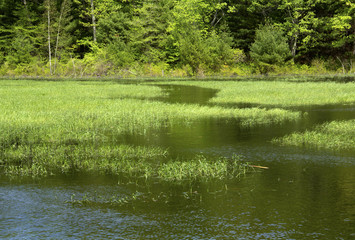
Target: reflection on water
[(305, 194)]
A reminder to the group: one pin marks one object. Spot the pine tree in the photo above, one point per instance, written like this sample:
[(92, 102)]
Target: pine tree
[(270, 48)]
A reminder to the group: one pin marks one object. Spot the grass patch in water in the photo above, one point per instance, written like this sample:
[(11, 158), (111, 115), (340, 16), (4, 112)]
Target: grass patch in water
[(278, 93), (201, 168), (30, 160), (124, 160), (61, 127), (336, 135), (59, 110)]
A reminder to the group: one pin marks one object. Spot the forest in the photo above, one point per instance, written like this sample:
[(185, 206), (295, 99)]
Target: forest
[(76, 38)]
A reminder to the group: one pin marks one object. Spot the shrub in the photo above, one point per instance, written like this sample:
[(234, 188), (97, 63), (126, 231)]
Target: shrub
[(270, 48), (199, 51)]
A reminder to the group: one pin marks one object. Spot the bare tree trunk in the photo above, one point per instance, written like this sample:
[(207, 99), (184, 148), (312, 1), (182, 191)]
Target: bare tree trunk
[(93, 20), (28, 15), (216, 20), (294, 45), (58, 32), (342, 64), (295, 22), (73, 65), (49, 38)]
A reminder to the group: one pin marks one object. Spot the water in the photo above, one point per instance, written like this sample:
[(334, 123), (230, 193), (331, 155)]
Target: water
[(305, 193)]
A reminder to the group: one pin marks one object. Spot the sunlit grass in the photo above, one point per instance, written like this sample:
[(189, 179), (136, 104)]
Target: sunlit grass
[(201, 168), (279, 93), (62, 127), (336, 135)]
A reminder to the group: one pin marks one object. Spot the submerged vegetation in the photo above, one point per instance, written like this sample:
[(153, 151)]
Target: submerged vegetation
[(336, 135)]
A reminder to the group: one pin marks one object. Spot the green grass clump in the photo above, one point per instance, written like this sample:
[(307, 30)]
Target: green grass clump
[(201, 168), (336, 135), (279, 93), (42, 160), (129, 161)]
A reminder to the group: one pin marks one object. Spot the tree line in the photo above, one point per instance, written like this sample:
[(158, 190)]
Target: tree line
[(103, 37)]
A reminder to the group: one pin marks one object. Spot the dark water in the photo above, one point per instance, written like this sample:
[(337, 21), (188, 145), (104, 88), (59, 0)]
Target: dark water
[(305, 193)]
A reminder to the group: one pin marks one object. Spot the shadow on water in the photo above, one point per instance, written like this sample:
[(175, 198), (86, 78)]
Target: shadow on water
[(305, 194), (187, 94)]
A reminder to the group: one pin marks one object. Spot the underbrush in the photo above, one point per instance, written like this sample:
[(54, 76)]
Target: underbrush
[(99, 66)]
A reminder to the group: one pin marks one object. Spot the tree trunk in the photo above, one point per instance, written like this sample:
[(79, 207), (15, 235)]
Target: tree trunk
[(294, 45), (93, 20), (342, 64), (27, 13), (58, 32), (49, 38)]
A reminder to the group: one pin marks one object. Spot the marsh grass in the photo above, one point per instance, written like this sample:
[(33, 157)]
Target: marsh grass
[(278, 93), (336, 135), (121, 160), (31, 160), (202, 168), (64, 127)]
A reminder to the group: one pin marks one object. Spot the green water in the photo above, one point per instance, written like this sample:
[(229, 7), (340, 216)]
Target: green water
[(305, 193)]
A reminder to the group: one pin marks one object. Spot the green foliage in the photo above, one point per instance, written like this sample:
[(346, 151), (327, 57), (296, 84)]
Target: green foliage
[(198, 43), (193, 37), (114, 27), (20, 52), (120, 54), (148, 34), (209, 51), (270, 47), (300, 22)]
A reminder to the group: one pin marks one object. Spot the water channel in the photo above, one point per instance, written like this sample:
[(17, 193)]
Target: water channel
[(305, 193)]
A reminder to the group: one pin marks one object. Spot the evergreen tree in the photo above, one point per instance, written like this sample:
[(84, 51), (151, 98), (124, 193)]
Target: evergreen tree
[(149, 33), (270, 48)]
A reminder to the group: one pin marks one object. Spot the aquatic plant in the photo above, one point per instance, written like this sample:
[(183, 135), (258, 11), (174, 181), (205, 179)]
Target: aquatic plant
[(146, 162), (42, 160), (201, 168), (336, 135)]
